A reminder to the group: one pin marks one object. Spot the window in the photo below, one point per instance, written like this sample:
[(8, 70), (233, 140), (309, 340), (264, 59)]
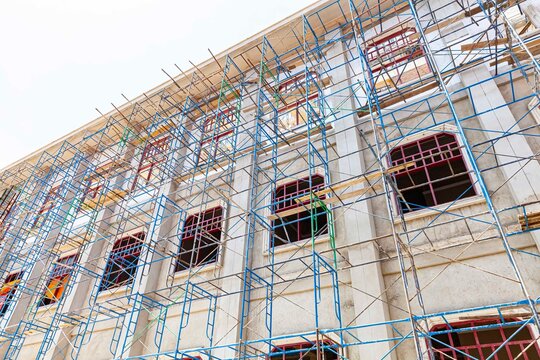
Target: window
[(7, 291), (217, 133), (218, 126), (305, 351), (291, 101), (91, 193), (200, 239), (297, 226), (122, 264), (396, 57), (58, 280), (154, 153), (53, 197), (481, 343), (7, 201), (439, 174), (534, 106)]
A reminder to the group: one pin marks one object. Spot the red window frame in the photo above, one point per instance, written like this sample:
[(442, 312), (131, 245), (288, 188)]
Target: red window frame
[(58, 279), (201, 237), (474, 344), (226, 121), (287, 87), (9, 198), (154, 153), (393, 50), (294, 82), (309, 346), (92, 191), (439, 166), (4, 230), (8, 289), (394, 47), (299, 224), (50, 200), (123, 260)]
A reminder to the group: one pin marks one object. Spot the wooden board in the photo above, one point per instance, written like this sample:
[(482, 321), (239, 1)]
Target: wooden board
[(483, 44), (529, 221), (327, 201), (105, 170), (113, 195), (399, 97), (358, 180), (519, 53), (337, 198)]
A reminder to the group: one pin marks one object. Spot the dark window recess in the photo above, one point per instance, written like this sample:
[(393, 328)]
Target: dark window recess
[(396, 57), (7, 291), (154, 154), (292, 92), (216, 127), (58, 280), (7, 202), (92, 192), (122, 264), (52, 199), (482, 343), (438, 176), (217, 132), (201, 237), (297, 226), (304, 351)]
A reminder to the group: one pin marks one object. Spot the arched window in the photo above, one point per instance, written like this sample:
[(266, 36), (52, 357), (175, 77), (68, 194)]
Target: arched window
[(8, 289), (297, 226), (58, 279), (305, 351), (122, 263), (454, 339), (291, 97), (52, 199), (201, 237), (218, 134), (439, 174), (154, 154)]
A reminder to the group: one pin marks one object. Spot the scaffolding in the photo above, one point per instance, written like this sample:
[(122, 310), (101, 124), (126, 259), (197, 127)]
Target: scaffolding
[(306, 194)]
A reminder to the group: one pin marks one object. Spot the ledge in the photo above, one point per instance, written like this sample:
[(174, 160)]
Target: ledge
[(440, 209), (294, 246), (201, 269)]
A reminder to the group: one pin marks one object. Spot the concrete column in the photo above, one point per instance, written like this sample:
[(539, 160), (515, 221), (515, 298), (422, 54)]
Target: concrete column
[(369, 302), (486, 96), (83, 280), (229, 308), (148, 276), (523, 176)]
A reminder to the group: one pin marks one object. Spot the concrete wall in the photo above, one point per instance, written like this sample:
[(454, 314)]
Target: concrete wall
[(459, 263)]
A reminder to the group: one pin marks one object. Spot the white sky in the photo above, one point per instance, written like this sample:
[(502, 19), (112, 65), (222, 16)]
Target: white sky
[(61, 59)]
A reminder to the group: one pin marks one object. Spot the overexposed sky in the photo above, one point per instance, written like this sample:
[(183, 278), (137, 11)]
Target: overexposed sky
[(61, 59)]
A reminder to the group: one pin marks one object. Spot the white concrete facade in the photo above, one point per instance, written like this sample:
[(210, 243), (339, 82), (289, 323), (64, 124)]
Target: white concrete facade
[(390, 265)]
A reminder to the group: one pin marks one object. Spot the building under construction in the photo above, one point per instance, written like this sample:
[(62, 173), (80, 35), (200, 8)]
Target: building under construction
[(358, 181)]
